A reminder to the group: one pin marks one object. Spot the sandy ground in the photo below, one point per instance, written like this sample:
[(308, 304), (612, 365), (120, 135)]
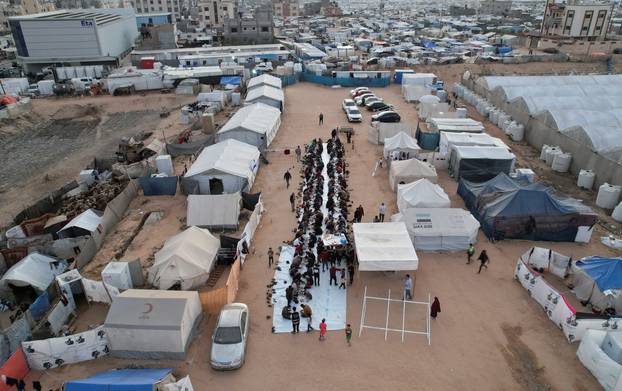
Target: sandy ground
[(489, 336)]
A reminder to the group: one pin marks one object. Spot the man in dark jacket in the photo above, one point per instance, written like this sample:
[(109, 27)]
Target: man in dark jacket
[(295, 321)]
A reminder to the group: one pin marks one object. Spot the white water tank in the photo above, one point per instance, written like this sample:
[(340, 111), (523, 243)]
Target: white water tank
[(486, 110), (586, 179), (517, 132), (608, 196), (543, 151), (493, 115), (561, 162), (164, 164), (617, 212), (550, 155), (461, 112), (503, 116), (506, 125)]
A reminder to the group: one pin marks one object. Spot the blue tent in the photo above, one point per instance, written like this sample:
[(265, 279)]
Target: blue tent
[(606, 272), (233, 80), (157, 186), (120, 380)]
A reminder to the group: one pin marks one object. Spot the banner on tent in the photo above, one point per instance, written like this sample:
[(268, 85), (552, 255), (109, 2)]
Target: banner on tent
[(55, 352), (249, 230)]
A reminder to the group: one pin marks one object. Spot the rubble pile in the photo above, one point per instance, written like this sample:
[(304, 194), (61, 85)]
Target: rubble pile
[(97, 197)]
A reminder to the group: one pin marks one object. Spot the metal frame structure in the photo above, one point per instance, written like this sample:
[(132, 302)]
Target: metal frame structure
[(388, 299)]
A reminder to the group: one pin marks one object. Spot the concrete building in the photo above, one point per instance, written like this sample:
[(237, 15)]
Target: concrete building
[(243, 30), (312, 8), (74, 37), (495, 7), (158, 6), (287, 8), (214, 12), (577, 20), (461, 10)]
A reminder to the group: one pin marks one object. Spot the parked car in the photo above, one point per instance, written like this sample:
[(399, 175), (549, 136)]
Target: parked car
[(229, 338), (386, 116), (370, 100), (354, 115), (357, 90), (359, 99), (378, 106), (361, 92), (348, 104)]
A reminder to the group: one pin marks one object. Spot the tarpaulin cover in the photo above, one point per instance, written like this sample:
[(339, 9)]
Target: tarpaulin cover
[(384, 247), (40, 306), (233, 80), (188, 148), (120, 380), (158, 186), (214, 211), (606, 272), (228, 242), (15, 367), (250, 200)]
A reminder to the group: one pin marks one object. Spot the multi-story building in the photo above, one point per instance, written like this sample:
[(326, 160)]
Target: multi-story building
[(495, 7), (158, 6), (330, 8), (247, 30), (214, 12), (287, 8), (576, 20), (461, 10)]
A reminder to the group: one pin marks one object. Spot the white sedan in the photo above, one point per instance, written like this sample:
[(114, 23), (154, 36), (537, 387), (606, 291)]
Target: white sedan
[(354, 115), (230, 336), (348, 104), (356, 90)]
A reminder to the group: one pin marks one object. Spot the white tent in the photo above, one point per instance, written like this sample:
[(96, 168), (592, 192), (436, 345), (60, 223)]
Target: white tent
[(407, 171), (214, 211), (256, 125), (399, 143), (421, 194), (420, 79), (264, 79), (479, 164), (439, 229), (35, 270), (605, 369), (227, 167), (455, 125), (426, 103), (85, 224), (186, 259), (152, 324), (380, 131), (547, 260), (449, 139), (267, 95), (384, 247)]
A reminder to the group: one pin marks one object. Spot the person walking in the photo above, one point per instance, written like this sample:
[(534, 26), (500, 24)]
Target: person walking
[(351, 272), (333, 133), (333, 275), (295, 321), (483, 261), (292, 201), (470, 252), (408, 288), (321, 119), (435, 308), (289, 294), (349, 334), (270, 257), (343, 279), (288, 177), (323, 330), (316, 274), (382, 209), (349, 136), (358, 214), (298, 153)]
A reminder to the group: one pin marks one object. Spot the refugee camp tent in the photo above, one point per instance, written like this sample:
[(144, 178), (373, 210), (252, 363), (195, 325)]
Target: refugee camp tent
[(547, 260), (123, 380), (214, 211), (152, 324), (227, 167), (399, 143), (255, 125), (264, 79), (440, 229), (87, 223), (449, 139), (509, 210), (421, 194), (185, 260), (30, 277), (598, 281), (380, 131), (384, 247), (407, 171), (479, 164), (267, 95), (606, 369)]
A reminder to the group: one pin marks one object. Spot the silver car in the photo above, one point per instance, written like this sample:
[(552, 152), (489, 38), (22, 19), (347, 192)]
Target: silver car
[(229, 339)]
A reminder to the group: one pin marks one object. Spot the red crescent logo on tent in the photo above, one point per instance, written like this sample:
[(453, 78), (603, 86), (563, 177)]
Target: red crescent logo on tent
[(149, 308)]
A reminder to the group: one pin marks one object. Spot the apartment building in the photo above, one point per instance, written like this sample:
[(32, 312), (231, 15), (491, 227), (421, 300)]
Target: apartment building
[(495, 7), (214, 12), (287, 8), (587, 21), (158, 6)]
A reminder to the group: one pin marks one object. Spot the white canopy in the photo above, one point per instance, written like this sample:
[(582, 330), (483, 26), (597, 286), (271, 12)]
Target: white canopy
[(448, 139), (265, 91), (380, 131), (401, 142), (384, 247), (214, 211), (456, 125), (83, 224), (421, 194), (186, 258), (264, 79), (261, 119), (36, 270), (411, 170), (440, 229)]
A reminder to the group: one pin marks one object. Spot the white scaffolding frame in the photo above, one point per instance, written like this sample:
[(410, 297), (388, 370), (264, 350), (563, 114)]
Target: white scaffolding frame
[(386, 329)]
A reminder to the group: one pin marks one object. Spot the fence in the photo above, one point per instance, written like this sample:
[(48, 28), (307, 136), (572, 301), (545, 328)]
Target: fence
[(213, 300), (345, 81)]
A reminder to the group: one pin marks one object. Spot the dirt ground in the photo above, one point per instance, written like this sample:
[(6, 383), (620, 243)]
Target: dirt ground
[(489, 336)]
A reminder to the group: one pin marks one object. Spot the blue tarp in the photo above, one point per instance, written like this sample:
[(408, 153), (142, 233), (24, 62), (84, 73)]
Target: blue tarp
[(40, 306), (428, 44), (606, 272), (233, 80), (158, 186), (120, 380)]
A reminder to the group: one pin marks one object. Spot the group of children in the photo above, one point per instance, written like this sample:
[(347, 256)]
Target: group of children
[(323, 332)]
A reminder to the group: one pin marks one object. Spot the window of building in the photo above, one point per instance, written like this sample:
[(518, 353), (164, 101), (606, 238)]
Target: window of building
[(139, 10), (244, 28), (254, 28), (265, 29), (205, 8), (234, 29), (160, 8), (224, 8), (602, 14)]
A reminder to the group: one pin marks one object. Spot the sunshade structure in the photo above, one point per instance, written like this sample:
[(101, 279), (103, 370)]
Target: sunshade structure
[(227, 167), (407, 171), (214, 211), (267, 95), (399, 143), (122, 380), (87, 223), (421, 194), (256, 125), (31, 276), (384, 247), (509, 210), (479, 164), (185, 260), (449, 139), (265, 79), (598, 280), (152, 324), (440, 229)]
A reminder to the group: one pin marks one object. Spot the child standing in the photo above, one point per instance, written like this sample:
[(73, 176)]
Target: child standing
[(349, 335), (323, 330)]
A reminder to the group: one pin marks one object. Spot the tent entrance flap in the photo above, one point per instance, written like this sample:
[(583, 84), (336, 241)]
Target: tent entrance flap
[(216, 186)]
